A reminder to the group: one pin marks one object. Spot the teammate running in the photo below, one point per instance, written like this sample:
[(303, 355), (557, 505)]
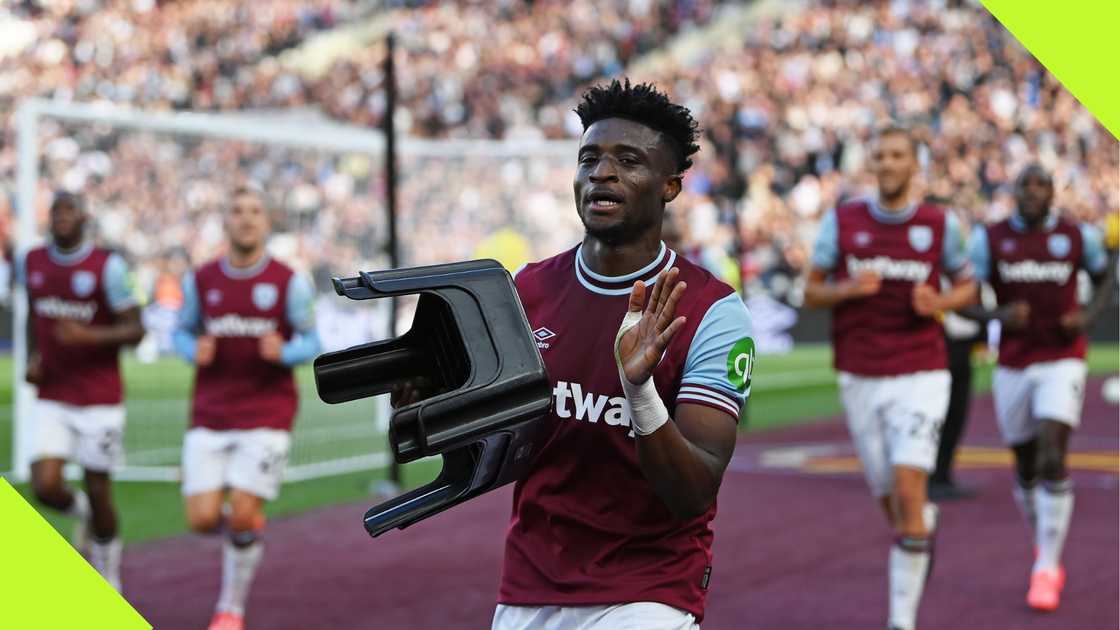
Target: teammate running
[(878, 265), (612, 528), (82, 311), (246, 321), (1031, 261)]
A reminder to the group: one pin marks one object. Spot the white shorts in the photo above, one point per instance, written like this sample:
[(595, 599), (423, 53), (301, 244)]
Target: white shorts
[(1054, 390), (895, 421), (92, 436), (250, 460), (635, 616)]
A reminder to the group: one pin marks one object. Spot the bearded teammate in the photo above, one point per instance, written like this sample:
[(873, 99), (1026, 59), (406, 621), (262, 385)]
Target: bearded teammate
[(878, 265), (611, 529), (246, 321), (82, 312), (1031, 261)]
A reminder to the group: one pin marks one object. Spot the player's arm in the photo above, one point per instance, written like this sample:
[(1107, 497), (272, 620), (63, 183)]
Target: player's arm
[(33, 371), (1102, 271), (821, 291), (126, 328), (928, 301), (683, 459), (191, 346), (304, 344)]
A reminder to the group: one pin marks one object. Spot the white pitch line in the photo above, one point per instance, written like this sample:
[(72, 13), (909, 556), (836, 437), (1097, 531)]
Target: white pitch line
[(761, 381)]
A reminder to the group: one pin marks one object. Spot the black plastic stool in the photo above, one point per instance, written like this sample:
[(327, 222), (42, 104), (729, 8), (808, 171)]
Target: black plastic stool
[(471, 340)]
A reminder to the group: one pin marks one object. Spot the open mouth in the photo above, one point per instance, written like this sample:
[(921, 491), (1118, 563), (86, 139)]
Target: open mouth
[(604, 200)]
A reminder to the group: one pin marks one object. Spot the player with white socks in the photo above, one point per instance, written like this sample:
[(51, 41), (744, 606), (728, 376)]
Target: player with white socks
[(1031, 261), (878, 264), (82, 311), (246, 321)]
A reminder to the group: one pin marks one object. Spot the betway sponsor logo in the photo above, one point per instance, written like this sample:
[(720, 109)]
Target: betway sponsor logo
[(237, 326), (58, 308), (889, 268), (1034, 271), (572, 402)]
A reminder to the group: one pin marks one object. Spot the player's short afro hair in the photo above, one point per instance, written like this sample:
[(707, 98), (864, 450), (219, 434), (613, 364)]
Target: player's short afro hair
[(1034, 169), (643, 104), (67, 199)]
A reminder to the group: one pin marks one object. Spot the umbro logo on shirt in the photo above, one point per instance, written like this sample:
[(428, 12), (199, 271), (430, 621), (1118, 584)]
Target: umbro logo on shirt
[(542, 335)]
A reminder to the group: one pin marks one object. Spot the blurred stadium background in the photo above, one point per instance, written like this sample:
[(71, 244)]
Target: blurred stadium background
[(155, 109)]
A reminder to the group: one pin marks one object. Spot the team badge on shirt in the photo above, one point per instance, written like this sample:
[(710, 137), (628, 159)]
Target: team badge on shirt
[(1059, 245), (35, 279), (740, 363), (83, 282), (213, 296), (920, 237), (264, 295), (862, 239), (1007, 246)]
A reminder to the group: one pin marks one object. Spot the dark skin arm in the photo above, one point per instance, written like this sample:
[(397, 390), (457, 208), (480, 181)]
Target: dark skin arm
[(684, 459), (126, 330), (1013, 315), (33, 373), (1081, 319)]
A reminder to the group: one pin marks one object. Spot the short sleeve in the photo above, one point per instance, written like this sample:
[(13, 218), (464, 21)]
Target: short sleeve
[(301, 303), (117, 280), (19, 270), (190, 315), (979, 253), (954, 249), (717, 371), (826, 249), (1094, 258)]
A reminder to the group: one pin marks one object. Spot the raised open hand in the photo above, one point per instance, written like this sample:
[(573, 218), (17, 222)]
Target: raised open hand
[(645, 334)]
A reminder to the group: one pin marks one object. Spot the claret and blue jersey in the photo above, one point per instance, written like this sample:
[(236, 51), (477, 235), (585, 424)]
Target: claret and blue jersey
[(1038, 267), (587, 527), (882, 335), (239, 389), (88, 285)]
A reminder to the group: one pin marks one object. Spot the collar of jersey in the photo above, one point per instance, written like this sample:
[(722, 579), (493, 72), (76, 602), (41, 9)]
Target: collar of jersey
[(1020, 225), (60, 257), (237, 273), (883, 215), (621, 285)]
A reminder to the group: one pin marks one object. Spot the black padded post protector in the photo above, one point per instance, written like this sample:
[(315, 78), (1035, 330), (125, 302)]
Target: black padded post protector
[(470, 339)]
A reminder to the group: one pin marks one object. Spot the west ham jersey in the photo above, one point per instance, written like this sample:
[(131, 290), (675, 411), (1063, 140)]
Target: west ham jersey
[(882, 335), (88, 285), (1039, 268), (587, 527), (240, 389)]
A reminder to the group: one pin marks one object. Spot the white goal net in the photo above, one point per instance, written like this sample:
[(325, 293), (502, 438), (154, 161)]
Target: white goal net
[(155, 185)]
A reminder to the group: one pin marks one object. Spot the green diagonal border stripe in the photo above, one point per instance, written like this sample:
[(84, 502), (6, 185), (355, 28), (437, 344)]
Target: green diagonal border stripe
[(45, 584), (1077, 42)]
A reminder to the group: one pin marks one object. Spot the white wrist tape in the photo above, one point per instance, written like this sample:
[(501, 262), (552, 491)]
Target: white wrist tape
[(647, 412)]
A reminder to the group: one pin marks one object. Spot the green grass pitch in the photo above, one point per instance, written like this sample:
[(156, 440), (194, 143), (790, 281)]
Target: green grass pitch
[(793, 388)]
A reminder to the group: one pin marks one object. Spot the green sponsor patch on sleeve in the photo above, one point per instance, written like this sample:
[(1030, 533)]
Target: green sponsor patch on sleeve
[(740, 363)]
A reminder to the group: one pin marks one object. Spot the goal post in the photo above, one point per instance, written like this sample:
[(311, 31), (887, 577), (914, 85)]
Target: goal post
[(455, 195)]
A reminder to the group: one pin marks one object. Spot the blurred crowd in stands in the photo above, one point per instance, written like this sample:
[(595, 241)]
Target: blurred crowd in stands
[(787, 102)]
